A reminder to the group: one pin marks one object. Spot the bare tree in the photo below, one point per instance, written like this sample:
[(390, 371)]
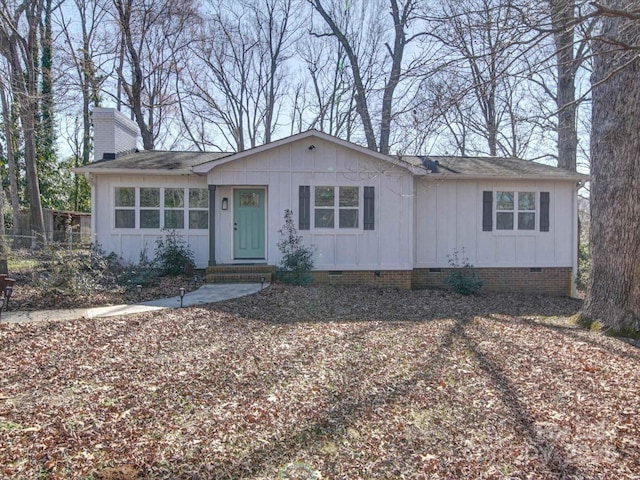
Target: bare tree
[(349, 26), (19, 28), (614, 287), (236, 81), (565, 24), (224, 87), (151, 33), (276, 33), (330, 108), (482, 41), (445, 114), (4, 266), (11, 148), (83, 55)]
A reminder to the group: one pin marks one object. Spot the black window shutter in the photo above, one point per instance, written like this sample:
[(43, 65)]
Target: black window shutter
[(369, 208), (304, 217), (487, 211), (544, 211)]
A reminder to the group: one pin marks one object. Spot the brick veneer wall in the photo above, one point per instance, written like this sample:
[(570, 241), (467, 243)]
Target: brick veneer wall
[(383, 278), (550, 281)]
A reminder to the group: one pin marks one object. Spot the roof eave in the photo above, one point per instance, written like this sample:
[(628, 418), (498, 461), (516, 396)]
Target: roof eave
[(132, 171), (462, 176)]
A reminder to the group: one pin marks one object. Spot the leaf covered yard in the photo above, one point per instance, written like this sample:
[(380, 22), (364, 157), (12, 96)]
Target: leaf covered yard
[(322, 382)]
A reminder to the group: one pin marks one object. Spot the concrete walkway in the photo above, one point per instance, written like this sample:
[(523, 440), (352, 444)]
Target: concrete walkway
[(208, 293)]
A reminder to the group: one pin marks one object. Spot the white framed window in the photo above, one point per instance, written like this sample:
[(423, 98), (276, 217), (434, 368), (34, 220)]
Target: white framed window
[(125, 203), (174, 208), (515, 210), (336, 207), (158, 207), (198, 208), (149, 207)]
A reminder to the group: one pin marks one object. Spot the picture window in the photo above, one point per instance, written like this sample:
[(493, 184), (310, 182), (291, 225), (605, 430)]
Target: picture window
[(155, 208)]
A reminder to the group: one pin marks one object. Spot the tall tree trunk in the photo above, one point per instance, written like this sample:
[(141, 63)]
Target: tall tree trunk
[(563, 21), (11, 159), (25, 91), (614, 288), (45, 122), (27, 116), (399, 22), (119, 69), (4, 250)]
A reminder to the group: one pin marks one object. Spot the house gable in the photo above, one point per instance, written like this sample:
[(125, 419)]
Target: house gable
[(311, 160), (308, 144)]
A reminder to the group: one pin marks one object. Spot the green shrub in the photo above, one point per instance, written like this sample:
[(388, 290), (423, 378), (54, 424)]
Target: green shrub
[(463, 278), (172, 254), (297, 259)]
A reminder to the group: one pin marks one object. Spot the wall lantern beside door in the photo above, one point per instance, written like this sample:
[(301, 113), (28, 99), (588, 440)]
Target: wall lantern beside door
[(225, 203)]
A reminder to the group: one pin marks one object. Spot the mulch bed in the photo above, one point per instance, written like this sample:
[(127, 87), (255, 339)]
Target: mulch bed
[(322, 382)]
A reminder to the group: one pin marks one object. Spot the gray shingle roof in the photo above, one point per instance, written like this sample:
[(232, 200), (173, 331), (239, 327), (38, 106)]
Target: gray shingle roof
[(451, 167), (492, 167), (157, 160)]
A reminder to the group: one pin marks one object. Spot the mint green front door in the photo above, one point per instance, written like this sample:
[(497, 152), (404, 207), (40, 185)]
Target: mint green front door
[(248, 224)]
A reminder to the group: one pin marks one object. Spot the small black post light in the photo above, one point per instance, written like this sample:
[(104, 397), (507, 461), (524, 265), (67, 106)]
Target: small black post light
[(261, 282), (139, 289), (1, 306), (8, 290), (196, 278), (182, 292)]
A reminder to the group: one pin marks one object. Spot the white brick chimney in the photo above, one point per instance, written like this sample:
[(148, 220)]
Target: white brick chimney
[(113, 134)]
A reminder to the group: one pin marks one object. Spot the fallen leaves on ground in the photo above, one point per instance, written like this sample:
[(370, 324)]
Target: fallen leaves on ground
[(322, 382), (27, 297)]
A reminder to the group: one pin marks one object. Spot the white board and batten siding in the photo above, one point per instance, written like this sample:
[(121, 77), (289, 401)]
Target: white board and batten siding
[(282, 170), (128, 243), (449, 218)]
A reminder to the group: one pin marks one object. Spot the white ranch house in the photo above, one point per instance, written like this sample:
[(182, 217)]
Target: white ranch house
[(371, 218)]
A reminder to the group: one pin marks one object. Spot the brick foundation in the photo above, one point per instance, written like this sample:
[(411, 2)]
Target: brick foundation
[(549, 281), (382, 278), (554, 281)]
